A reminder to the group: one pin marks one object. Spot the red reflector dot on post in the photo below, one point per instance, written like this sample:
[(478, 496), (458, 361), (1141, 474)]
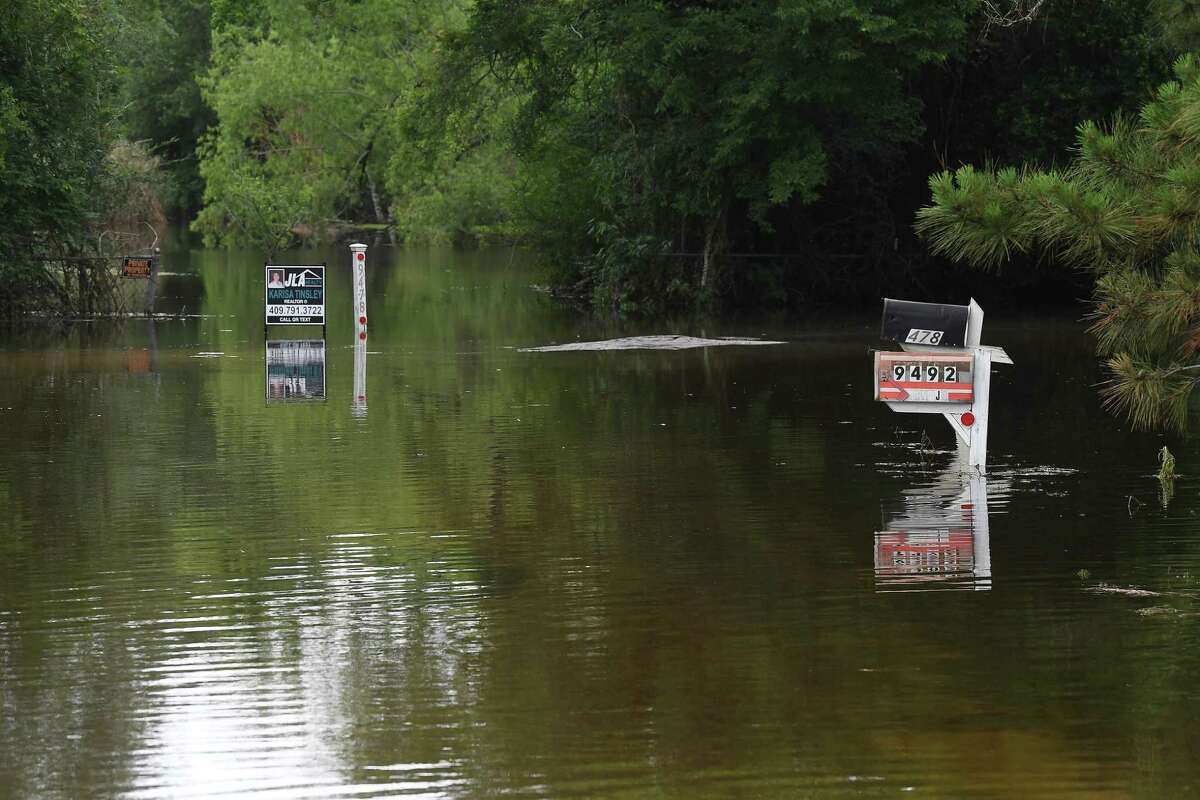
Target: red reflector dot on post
[(362, 320), (968, 419), (363, 336), (362, 256)]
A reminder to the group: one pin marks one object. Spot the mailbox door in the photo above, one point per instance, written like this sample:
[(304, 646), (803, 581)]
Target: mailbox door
[(926, 324)]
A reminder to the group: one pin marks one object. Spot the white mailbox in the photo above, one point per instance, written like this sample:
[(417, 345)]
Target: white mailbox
[(934, 375)]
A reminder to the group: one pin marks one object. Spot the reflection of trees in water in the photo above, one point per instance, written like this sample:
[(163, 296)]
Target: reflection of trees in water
[(651, 566)]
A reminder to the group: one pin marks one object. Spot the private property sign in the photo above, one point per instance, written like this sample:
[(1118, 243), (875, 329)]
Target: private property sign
[(295, 295), (137, 266)]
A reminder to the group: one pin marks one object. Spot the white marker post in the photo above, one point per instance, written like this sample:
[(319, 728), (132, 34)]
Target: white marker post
[(943, 369), (359, 263)]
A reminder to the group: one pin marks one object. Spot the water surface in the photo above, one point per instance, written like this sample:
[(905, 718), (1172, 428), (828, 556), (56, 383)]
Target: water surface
[(467, 571)]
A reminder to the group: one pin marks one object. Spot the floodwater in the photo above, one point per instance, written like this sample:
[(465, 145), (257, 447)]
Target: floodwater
[(461, 570)]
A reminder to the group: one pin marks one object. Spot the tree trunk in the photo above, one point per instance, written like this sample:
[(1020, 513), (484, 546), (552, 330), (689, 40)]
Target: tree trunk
[(714, 245), (84, 285), (379, 215)]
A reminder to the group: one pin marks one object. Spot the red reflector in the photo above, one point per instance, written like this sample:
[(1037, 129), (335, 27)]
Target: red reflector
[(968, 419), (363, 336), (362, 320), (362, 256)]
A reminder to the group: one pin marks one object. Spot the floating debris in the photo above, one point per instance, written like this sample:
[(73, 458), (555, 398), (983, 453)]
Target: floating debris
[(647, 343), (1128, 592), (1165, 611)]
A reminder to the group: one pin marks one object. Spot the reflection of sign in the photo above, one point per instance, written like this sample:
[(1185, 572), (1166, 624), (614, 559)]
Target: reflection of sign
[(295, 295), (929, 555), (137, 266), (137, 361), (296, 369), (924, 377)]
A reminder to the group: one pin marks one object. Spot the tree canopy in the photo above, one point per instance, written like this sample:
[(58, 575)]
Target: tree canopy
[(57, 83), (311, 102), (658, 154), (666, 123), (1127, 209)]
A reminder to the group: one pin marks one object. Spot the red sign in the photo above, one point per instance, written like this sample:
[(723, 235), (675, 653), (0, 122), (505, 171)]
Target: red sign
[(925, 377), (137, 266)]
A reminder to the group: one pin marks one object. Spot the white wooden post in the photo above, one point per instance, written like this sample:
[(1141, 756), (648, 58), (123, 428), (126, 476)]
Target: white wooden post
[(359, 263)]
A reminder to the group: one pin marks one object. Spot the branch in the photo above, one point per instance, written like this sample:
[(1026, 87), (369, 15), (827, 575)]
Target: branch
[(1018, 12)]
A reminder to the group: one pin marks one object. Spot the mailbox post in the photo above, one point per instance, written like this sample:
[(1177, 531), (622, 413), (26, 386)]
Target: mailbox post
[(941, 369)]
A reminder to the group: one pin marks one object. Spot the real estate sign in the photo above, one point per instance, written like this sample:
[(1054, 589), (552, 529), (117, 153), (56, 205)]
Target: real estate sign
[(295, 295)]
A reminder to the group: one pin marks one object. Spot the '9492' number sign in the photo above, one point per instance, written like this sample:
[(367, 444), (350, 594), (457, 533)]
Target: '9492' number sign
[(923, 336), (924, 377)]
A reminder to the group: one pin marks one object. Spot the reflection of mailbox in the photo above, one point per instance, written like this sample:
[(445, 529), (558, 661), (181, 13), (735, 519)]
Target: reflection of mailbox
[(939, 540), (927, 324)]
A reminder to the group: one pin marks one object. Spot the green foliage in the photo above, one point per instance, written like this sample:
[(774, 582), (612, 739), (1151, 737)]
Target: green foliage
[(164, 48), (246, 14), (1166, 476), (320, 110), (1178, 23), (1166, 465), (1127, 209), (465, 201), (667, 120), (57, 84), (1017, 94)]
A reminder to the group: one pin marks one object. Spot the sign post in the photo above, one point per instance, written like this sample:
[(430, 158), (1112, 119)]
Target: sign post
[(943, 369), (144, 267), (359, 262)]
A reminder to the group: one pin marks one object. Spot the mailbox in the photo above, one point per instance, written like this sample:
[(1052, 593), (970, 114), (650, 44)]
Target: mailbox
[(941, 369), (925, 324)]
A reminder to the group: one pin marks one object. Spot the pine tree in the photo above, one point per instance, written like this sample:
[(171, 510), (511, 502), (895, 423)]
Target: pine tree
[(1126, 208)]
